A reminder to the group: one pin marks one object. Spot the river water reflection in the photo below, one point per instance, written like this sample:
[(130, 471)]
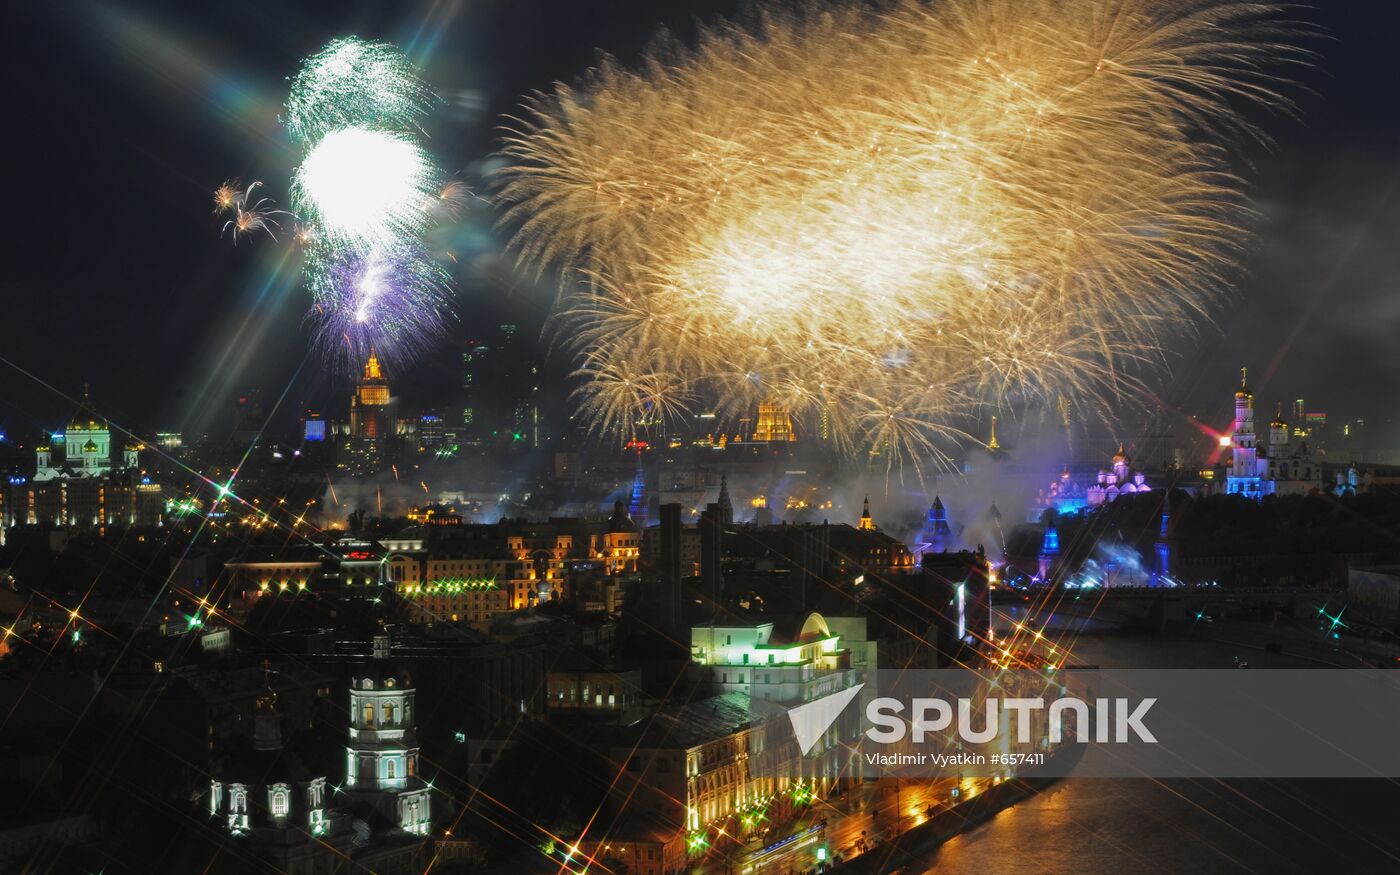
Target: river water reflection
[(1185, 826)]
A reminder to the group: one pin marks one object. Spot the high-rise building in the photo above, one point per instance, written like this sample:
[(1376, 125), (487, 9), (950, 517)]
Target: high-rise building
[(476, 382), (774, 424), (370, 415), (500, 389), (431, 434)]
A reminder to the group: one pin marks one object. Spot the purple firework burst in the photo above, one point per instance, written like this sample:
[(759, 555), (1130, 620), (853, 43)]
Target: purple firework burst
[(394, 302)]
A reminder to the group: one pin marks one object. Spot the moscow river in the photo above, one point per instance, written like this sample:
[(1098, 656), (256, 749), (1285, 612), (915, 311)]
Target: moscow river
[(1198, 826)]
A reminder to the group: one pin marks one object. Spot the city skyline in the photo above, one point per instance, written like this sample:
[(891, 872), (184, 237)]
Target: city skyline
[(685, 437)]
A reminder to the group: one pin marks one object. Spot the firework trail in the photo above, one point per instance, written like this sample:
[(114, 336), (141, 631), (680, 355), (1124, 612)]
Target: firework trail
[(887, 217)]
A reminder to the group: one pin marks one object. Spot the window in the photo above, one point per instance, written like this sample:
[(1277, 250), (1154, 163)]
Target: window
[(388, 713), (279, 803), (368, 718), (389, 768)]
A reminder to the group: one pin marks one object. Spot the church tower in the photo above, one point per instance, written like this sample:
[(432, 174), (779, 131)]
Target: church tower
[(381, 765), (936, 530), (866, 524), (1244, 443), (1278, 433)]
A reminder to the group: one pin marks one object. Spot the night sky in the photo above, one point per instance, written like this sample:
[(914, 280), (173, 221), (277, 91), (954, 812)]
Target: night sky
[(122, 118)]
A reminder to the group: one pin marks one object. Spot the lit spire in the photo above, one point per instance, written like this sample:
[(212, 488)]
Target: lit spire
[(866, 523), (372, 369), (992, 444)]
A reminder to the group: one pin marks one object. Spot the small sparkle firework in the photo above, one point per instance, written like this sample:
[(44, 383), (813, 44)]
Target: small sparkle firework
[(884, 219), (251, 216), (394, 301), (356, 83), (304, 234), (451, 201), (227, 196)]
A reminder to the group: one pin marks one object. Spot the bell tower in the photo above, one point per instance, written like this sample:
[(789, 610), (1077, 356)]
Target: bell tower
[(381, 761)]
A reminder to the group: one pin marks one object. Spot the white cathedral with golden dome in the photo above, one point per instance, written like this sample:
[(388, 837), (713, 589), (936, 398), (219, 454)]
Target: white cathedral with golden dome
[(1282, 466), (83, 450)]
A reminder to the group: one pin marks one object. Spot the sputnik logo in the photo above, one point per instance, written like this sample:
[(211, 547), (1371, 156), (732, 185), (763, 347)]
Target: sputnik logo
[(811, 720)]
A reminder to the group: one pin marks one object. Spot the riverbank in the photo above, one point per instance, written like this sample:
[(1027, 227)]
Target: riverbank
[(910, 849)]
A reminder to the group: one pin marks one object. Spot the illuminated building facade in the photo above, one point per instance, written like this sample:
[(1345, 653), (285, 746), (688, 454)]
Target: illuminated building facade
[(619, 548), (263, 796), (1066, 495), (1282, 465), (82, 479), (472, 600), (371, 417), (593, 690), (706, 771), (774, 424), (381, 760)]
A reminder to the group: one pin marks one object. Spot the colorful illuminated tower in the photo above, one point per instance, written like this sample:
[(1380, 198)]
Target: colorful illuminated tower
[(382, 767), (370, 414), (1049, 551), (936, 533), (637, 496), (1243, 478)]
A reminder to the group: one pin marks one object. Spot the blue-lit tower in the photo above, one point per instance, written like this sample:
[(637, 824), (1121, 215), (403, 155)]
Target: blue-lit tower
[(1164, 548), (1049, 551), (936, 534), (637, 499)]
